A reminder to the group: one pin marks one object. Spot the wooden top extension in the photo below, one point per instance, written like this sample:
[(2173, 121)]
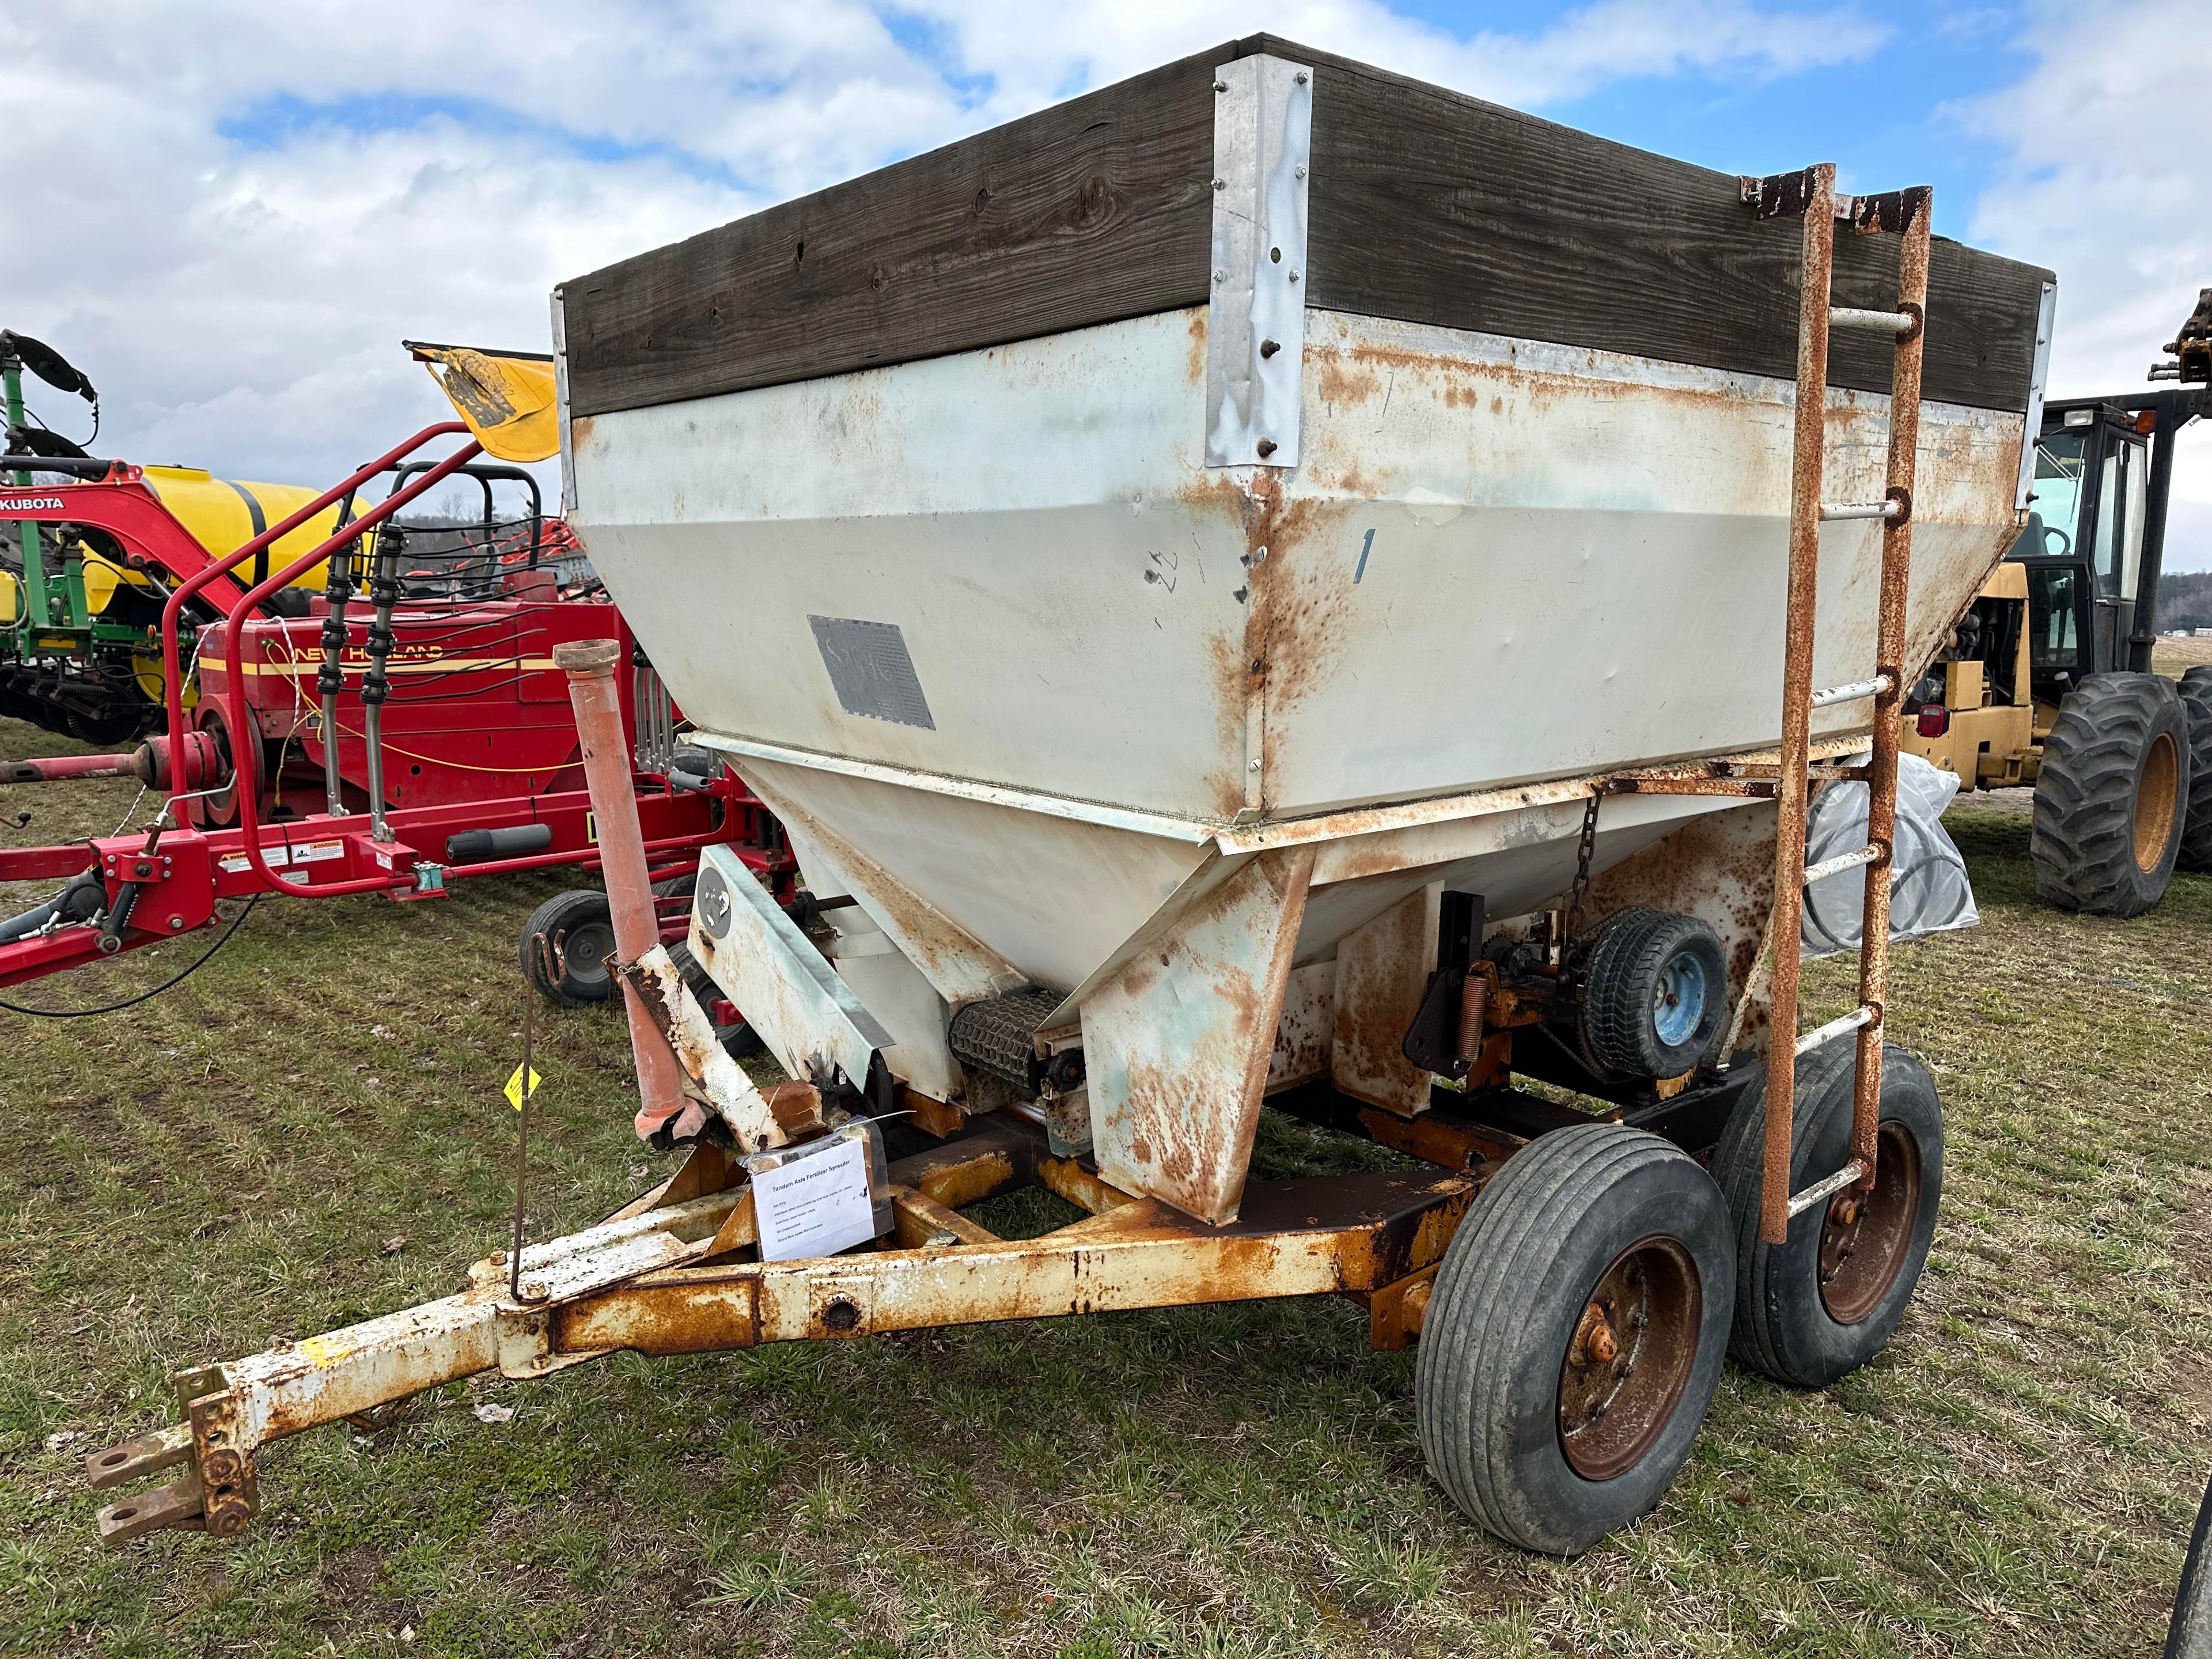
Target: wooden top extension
[(1426, 205)]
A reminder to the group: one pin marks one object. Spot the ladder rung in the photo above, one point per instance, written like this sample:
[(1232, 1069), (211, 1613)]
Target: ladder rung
[(1844, 1026), (1801, 1202), (1898, 322), (1841, 862), (1830, 512), (1852, 693)]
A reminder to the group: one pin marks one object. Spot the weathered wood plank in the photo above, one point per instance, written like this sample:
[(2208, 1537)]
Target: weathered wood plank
[(1090, 211), (1425, 204), (1435, 207)]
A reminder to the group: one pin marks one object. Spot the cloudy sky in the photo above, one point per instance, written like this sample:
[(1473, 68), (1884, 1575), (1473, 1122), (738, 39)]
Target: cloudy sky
[(228, 213)]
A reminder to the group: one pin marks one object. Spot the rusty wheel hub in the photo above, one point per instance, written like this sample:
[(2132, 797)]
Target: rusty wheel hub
[(1867, 1235), (1630, 1358)]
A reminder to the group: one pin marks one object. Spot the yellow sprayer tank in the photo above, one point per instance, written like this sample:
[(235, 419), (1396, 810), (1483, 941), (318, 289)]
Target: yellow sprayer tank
[(222, 515)]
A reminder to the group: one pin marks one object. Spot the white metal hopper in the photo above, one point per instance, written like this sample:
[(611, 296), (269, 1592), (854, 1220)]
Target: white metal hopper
[(1173, 657)]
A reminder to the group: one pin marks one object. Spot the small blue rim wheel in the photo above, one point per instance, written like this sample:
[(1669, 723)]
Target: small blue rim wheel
[(1678, 1005), (1653, 991)]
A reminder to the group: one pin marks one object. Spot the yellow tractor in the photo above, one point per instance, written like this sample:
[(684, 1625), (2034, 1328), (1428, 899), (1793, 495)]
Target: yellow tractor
[(2047, 679)]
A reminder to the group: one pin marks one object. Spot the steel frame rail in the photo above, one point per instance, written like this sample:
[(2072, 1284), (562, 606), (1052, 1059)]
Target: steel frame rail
[(657, 1278)]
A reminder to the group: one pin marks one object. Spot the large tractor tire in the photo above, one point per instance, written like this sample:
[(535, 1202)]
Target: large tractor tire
[(2112, 798), (108, 726), (2197, 833)]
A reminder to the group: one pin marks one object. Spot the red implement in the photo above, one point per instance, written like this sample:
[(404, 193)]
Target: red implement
[(476, 769)]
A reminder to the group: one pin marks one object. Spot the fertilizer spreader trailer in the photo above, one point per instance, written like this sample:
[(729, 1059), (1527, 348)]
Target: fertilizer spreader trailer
[(1270, 583), (398, 727)]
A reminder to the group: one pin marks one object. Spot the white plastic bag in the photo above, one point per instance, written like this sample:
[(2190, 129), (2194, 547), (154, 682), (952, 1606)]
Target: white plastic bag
[(1928, 892)]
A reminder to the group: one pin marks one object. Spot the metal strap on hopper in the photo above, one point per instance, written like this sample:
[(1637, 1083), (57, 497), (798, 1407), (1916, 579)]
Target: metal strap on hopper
[(1833, 512)]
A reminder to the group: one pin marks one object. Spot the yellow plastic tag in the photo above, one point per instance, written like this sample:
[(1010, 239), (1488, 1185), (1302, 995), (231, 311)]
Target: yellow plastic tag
[(514, 1086)]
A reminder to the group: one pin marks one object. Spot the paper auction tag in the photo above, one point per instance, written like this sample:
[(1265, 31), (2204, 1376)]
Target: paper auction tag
[(814, 1201)]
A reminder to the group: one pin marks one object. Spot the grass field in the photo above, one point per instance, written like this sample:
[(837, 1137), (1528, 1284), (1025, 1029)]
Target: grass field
[(2171, 656), (309, 1131)]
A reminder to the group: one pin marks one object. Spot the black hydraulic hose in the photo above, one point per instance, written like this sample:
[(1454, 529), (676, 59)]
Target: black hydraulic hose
[(85, 882), (30, 921), (171, 983), (89, 466)]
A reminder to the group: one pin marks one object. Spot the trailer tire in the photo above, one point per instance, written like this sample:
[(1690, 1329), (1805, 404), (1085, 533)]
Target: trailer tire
[(1654, 992), (1821, 1305), (579, 927), (700, 982), (2112, 799), (2196, 706), (1534, 1431)]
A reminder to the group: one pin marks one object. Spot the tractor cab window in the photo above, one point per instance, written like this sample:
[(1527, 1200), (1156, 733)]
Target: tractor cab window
[(2055, 605), (2121, 497), (2058, 478), (2103, 556)]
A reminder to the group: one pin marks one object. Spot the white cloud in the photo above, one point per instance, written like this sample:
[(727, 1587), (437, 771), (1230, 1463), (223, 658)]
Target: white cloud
[(2105, 184), (229, 214), (1034, 51)]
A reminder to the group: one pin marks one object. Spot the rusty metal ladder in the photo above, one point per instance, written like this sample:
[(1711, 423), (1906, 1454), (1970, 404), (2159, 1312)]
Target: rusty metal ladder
[(1812, 196)]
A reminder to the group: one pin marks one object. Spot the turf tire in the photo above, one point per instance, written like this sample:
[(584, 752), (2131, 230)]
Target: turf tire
[(1783, 1329), (1506, 1306), (2197, 833), (1620, 979), (2091, 795), (580, 928)]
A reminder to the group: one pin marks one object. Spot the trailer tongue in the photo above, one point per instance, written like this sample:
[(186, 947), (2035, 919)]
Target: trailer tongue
[(1275, 584)]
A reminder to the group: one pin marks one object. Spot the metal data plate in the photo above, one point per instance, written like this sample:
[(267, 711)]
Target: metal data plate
[(1255, 328), (871, 669)]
